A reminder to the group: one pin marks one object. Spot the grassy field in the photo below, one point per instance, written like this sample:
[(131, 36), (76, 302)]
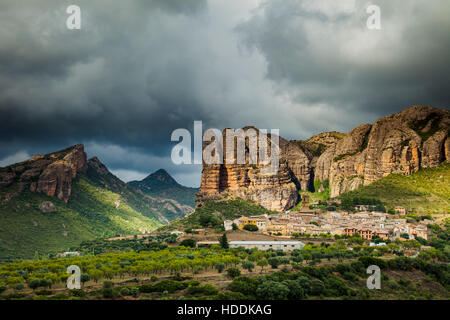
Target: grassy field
[(427, 191)]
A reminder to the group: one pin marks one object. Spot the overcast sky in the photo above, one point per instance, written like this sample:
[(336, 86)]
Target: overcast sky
[(138, 69)]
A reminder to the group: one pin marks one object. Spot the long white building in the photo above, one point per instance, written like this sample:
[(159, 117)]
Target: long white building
[(266, 245)]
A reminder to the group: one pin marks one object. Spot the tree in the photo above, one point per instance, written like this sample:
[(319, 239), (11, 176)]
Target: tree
[(262, 263), (248, 265), (305, 283), (96, 274), (220, 267), (46, 283), (297, 258), (224, 241), (209, 220), (85, 277), (233, 272), (2, 289), (245, 285), (317, 287), (188, 243), (272, 290), (296, 291), (108, 293), (19, 286), (34, 284), (274, 262), (207, 289), (250, 227)]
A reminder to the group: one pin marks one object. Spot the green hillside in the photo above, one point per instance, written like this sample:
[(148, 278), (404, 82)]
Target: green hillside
[(161, 184), (90, 213), (428, 190), (155, 207), (212, 213), (98, 205)]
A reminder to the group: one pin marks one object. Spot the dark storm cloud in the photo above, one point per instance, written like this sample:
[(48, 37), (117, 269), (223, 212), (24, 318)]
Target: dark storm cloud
[(139, 69), (322, 53), (121, 79)]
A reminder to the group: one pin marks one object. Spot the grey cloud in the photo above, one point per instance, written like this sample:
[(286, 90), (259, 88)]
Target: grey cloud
[(139, 69), (334, 59), (14, 158), (134, 164)]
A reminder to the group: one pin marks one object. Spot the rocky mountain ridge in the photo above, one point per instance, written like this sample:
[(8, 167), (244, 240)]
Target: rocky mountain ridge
[(53, 202), (51, 174), (417, 137)]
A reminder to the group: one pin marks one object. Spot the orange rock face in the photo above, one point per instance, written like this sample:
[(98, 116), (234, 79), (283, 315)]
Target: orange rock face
[(415, 138), (275, 190), (50, 174), (401, 143)]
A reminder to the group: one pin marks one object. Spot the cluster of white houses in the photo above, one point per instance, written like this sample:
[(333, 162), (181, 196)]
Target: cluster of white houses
[(368, 225)]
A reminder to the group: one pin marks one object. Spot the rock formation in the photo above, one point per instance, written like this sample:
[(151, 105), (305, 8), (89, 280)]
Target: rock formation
[(275, 191), (401, 143), (51, 174), (415, 138)]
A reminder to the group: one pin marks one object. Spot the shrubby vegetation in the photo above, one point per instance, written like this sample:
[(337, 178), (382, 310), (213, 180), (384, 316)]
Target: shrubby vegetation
[(417, 189), (342, 280), (212, 213), (325, 271), (250, 227), (348, 202), (45, 273), (149, 243)]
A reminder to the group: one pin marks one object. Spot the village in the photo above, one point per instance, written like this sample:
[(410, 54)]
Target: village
[(369, 225), (283, 230)]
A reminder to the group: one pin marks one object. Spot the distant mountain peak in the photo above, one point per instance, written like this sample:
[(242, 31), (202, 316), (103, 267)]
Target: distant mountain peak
[(161, 184), (162, 176)]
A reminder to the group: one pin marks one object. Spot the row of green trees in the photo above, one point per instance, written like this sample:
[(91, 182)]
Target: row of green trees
[(118, 265)]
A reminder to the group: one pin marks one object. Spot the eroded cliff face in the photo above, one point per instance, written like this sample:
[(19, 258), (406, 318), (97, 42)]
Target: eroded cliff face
[(274, 190), (51, 174), (401, 143), (415, 138)]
